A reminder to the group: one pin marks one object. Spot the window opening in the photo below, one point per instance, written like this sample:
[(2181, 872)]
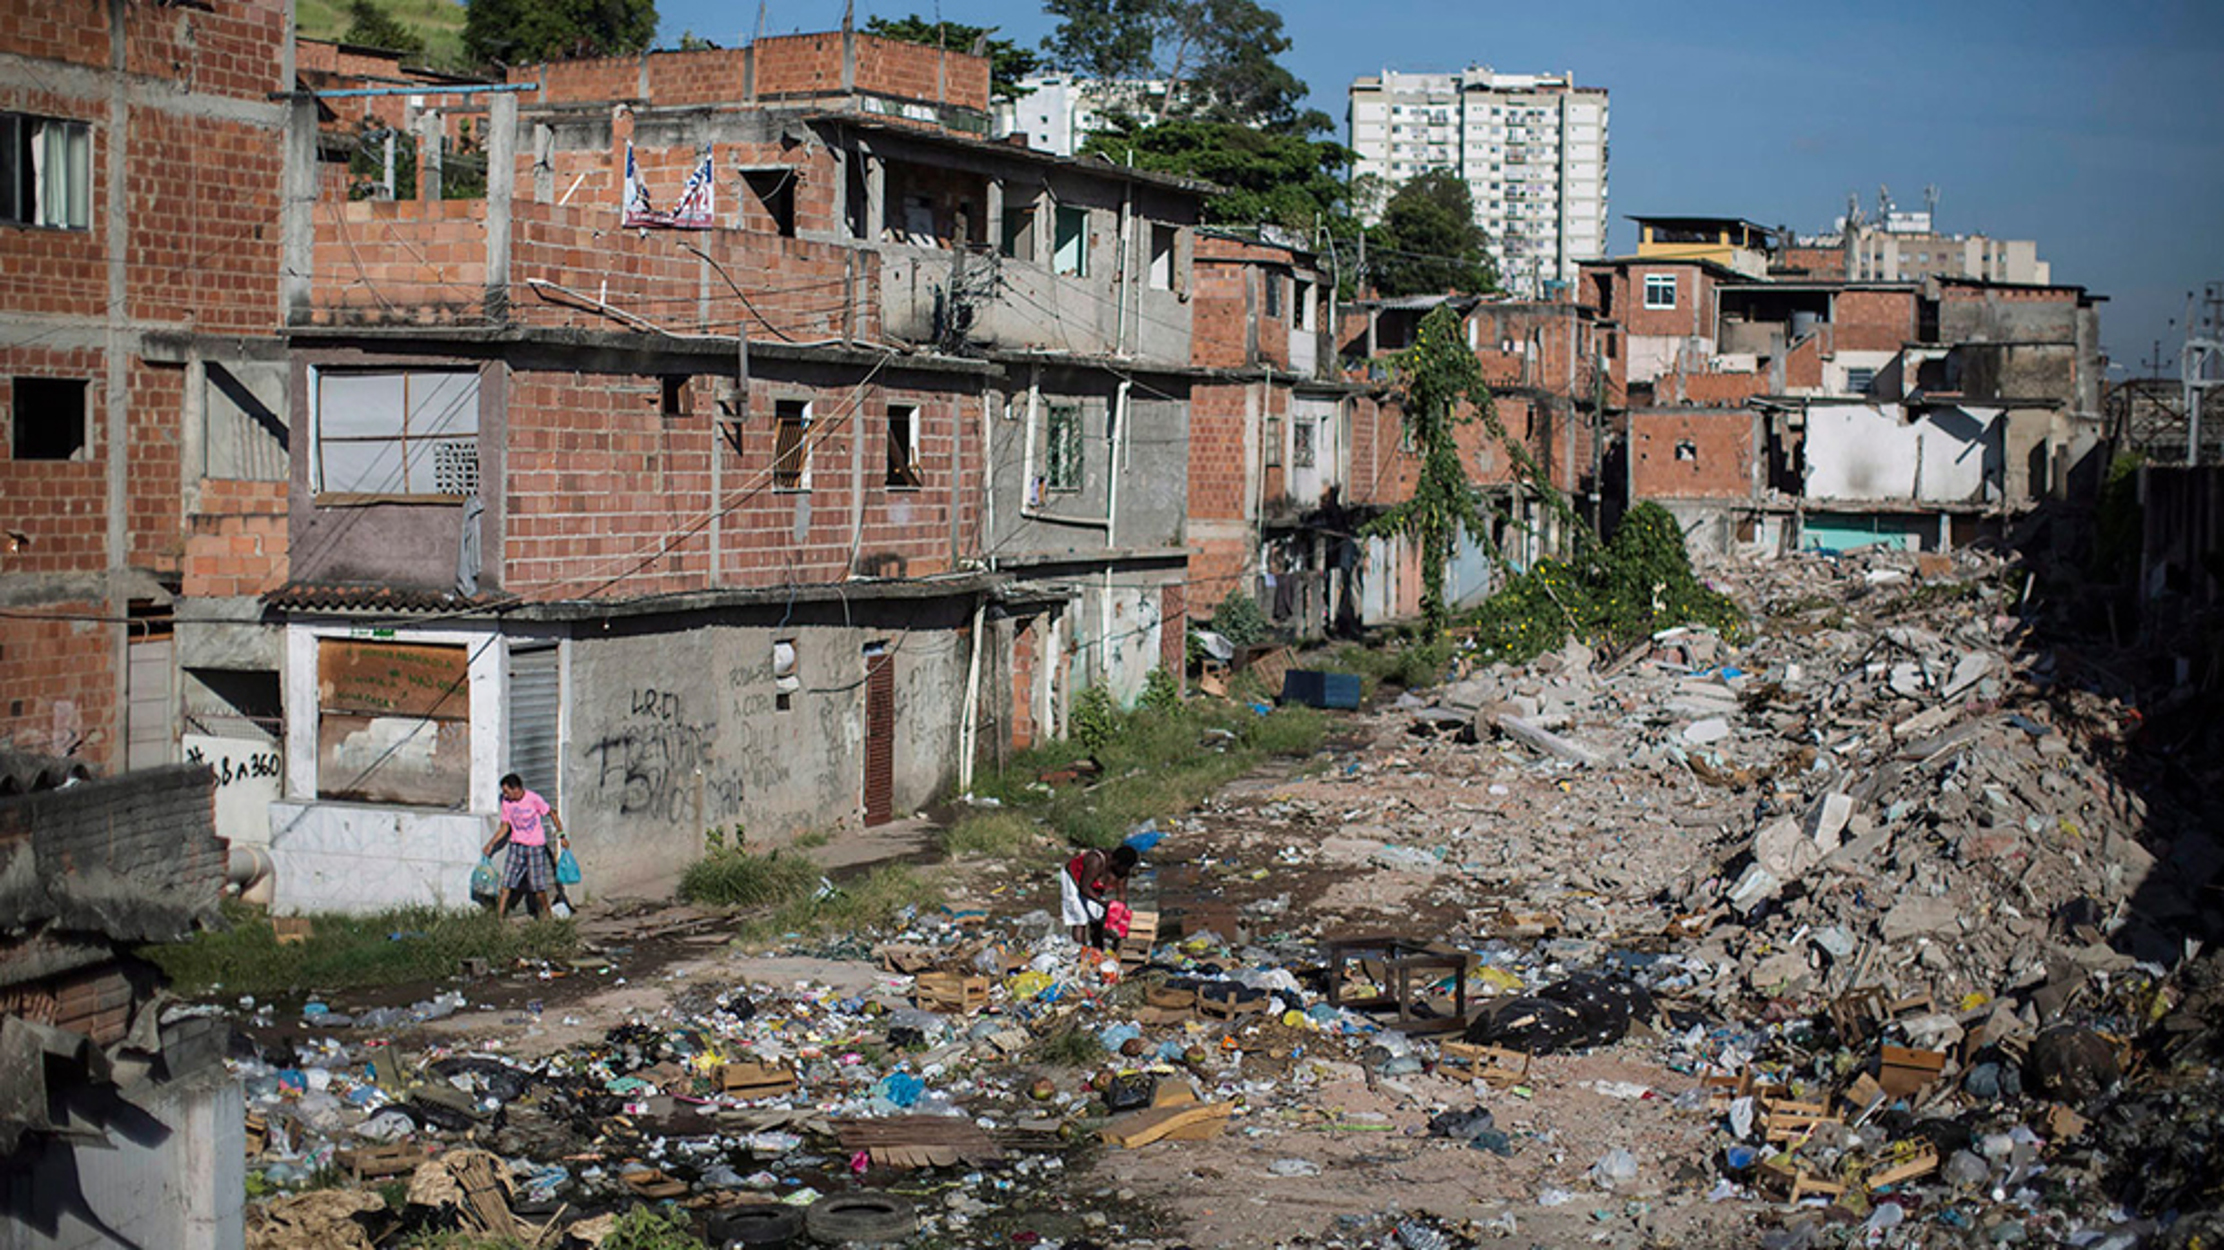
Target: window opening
[(1064, 469), (903, 445), (48, 419), (791, 455), (46, 172), (774, 192)]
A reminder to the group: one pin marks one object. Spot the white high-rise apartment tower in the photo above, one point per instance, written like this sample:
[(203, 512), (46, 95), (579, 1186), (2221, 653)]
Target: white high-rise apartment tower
[(1531, 148)]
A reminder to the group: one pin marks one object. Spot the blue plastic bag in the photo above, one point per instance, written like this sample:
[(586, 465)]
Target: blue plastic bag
[(484, 883), (567, 868)]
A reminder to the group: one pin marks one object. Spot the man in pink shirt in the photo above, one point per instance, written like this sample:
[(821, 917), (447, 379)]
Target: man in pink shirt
[(530, 866)]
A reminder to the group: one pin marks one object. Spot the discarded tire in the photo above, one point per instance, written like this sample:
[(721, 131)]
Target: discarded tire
[(1607, 1005), (866, 1218), (766, 1225), (1534, 1025)]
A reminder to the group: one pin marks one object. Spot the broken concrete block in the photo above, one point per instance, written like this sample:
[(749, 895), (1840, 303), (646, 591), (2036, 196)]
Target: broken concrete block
[(1785, 850), (1920, 915), (1828, 820), (1539, 738), (1967, 670), (1757, 886), (1712, 729)]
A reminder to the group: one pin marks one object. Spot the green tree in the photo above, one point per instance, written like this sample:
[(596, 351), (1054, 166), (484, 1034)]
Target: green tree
[(1282, 179), (1106, 39), (1436, 377), (692, 42), (1216, 57), (1428, 240), (1007, 61), (373, 27), (517, 32)]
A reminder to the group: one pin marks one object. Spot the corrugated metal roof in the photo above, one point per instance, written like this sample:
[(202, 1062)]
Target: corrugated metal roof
[(24, 773)]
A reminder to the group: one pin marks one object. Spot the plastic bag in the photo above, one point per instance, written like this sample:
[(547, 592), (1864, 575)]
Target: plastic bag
[(567, 868), (1117, 918), (484, 884)]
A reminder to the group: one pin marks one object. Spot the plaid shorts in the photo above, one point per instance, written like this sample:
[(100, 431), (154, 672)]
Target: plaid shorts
[(529, 868)]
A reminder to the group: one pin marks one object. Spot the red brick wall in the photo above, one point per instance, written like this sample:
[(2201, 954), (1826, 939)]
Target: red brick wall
[(1722, 467), (1872, 321), (236, 544), (201, 256), (785, 65), (1219, 313), (1803, 364), (401, 261), (59, 506), (1693, 283), (599, 481), (1710, 390), (57, 681), (1827, 263)]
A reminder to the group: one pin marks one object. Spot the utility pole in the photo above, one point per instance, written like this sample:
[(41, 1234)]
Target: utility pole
[(2204, 348)]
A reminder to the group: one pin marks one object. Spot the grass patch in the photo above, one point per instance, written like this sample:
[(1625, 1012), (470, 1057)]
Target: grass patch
[(1073, 1048), (812, 839), (867, 903), (998, 834), (747, 879), (1156, 763), (410, 944)]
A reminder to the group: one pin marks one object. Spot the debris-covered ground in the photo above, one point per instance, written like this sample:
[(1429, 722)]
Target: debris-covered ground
[(1885, 928)]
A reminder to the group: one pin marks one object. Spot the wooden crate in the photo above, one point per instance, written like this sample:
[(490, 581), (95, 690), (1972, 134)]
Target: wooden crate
[(755, 1080), (1905, 1073), (258, 1133), (1919, 1162), (1142, 935), (372, 1162), (1793, 1184), (1493, 1064), (950, 991), (1784, 1119)]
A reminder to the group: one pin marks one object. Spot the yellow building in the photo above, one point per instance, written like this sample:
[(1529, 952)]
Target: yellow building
[(1731, 241)]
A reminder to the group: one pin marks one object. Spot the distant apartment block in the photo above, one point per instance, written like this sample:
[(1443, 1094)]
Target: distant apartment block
[(1058, 112), (1905, 246), (1532, 149)]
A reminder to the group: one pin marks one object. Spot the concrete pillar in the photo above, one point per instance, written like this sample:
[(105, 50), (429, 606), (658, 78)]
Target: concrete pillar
[(992, 233), (876, 197), (431, 131), (296, 213), (501, 183), (544, 164)]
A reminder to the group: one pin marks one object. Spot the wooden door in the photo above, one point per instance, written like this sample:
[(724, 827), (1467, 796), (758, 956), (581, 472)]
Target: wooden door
[(880, 734)]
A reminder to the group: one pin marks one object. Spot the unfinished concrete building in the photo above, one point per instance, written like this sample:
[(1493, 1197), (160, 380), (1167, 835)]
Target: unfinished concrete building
[(761, 449)]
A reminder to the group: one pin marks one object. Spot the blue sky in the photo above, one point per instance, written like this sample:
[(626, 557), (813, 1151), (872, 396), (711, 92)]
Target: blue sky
[(2097, 129)]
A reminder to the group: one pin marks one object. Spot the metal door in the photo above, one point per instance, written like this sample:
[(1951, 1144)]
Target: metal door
[(148, 715), (880, 734)]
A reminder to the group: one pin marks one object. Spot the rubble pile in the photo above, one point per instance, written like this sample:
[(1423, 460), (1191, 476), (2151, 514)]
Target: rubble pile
[(1851, 934)]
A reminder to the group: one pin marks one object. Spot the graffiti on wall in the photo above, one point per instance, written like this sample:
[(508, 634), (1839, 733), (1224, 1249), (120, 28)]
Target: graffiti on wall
[(660, 765)]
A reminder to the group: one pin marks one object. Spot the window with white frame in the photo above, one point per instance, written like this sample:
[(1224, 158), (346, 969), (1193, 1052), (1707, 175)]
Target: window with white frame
[(1660, 290), (1302, 443), (791, 450), (408, 432), (46, 172)]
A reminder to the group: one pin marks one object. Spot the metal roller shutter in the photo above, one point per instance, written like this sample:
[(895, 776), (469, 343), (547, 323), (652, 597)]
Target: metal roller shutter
[(536, 697)]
